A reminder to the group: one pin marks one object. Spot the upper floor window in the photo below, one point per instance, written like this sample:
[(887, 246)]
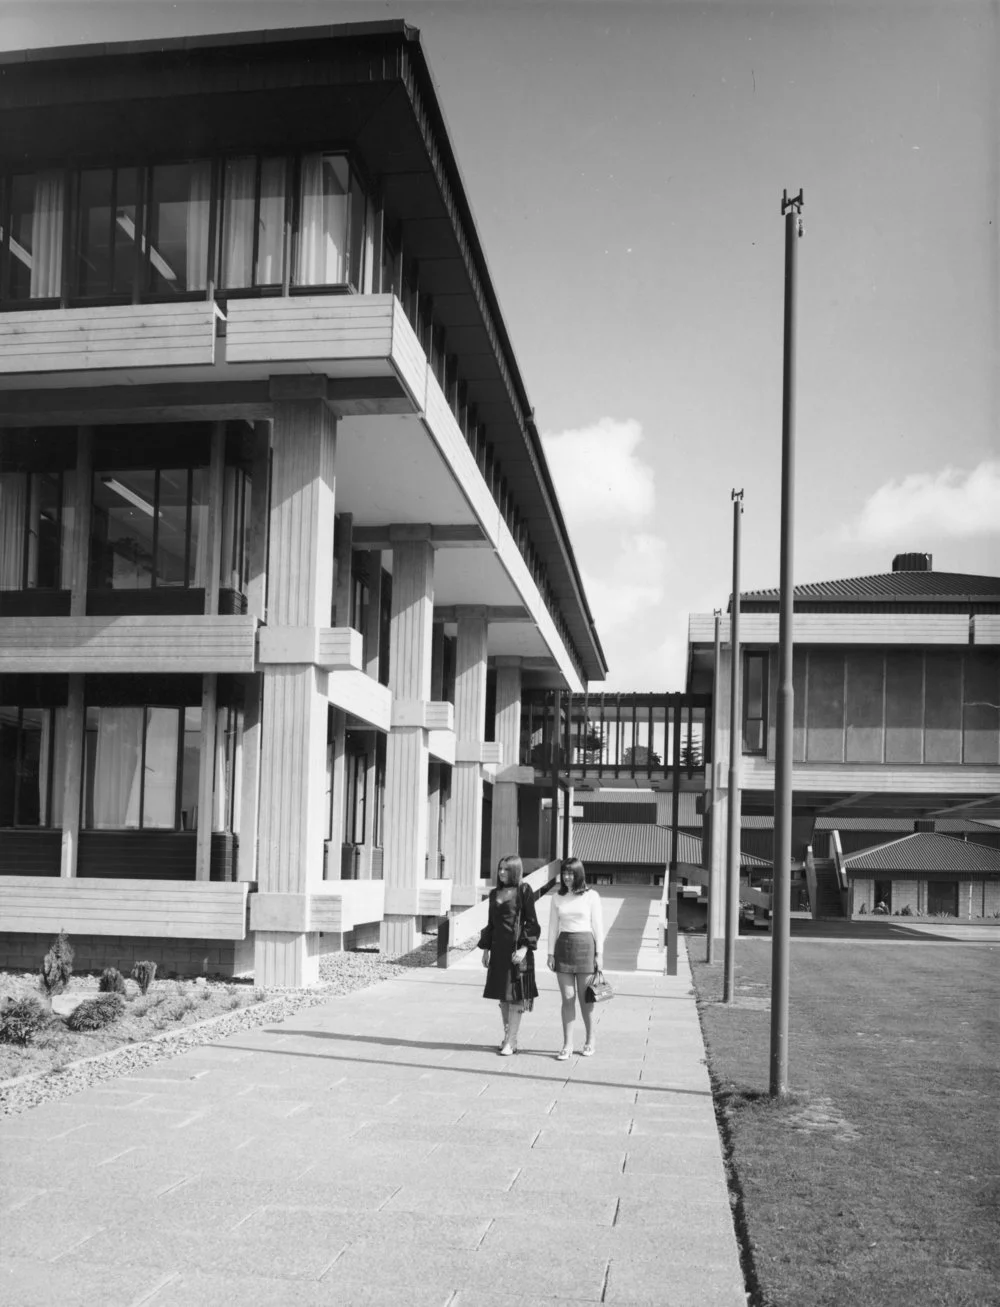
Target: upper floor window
[(31, 236), (755, 703), (35, 521), (331, 223), (149, 528), (252, 225)]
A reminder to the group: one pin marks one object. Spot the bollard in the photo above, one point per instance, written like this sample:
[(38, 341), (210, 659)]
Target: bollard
[(443, 940)]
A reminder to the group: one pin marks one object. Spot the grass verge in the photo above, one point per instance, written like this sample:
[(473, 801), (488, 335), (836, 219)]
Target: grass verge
[(876, 1182)]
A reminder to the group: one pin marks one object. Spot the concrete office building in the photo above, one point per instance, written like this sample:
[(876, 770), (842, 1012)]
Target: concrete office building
[(279, 550)]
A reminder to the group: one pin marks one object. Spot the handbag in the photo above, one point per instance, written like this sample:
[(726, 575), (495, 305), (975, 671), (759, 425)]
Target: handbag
[(598, 990)]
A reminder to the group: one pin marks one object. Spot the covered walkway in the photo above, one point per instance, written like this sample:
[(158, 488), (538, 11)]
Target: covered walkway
[(375, 1149)]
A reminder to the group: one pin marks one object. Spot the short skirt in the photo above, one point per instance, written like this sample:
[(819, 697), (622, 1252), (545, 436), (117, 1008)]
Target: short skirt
[(575, 952)]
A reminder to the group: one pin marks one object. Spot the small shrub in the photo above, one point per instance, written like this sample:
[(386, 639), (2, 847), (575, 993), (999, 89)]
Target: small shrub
[(21, 1019), (906, 912), (96, 1012), (863, 910), (144, 973), (112, 981), (57, 965)]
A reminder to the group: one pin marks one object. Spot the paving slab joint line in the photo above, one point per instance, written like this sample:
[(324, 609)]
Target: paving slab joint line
[(150, 1294)]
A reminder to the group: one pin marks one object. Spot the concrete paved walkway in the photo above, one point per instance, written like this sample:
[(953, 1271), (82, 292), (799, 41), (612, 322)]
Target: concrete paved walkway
[(375, 1149)]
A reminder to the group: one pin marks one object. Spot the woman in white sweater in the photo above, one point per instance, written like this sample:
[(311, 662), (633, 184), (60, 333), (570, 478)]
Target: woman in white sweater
[(576, 949)]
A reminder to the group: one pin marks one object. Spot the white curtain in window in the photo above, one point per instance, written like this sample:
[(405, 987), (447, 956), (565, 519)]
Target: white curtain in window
[(322, 222), (13, 506), (220, 787), (237, 223), (47, 236), (117, 769), (199, 198), (160, 779)]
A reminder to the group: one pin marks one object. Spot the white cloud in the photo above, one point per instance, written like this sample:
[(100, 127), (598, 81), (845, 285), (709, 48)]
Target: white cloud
[(598, 474), (949, 503)]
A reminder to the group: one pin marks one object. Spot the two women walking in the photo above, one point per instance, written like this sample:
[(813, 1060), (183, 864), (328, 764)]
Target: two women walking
[(575, 949)]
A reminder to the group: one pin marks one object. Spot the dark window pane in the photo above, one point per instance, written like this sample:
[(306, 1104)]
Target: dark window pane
[(125, 235), (93, 251), (31, 784), (271, 224), (198, 549), (171, 541), (8, 762), (191, 768), (46, 546), (178, 228), (13, 528), (358, 207), (123, 516)]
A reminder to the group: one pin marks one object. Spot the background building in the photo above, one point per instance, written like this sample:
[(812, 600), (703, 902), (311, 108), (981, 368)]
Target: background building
[(279, 551), (896, 717)]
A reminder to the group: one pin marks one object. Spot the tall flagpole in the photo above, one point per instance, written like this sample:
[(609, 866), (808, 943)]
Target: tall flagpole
[(781, 886), (735, 749)]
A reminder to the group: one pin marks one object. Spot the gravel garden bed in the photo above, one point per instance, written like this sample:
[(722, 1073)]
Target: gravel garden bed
[(173, 1016)]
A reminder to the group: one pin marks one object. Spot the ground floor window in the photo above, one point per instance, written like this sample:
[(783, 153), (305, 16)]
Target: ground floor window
[(32, 765), (942, 898), (141, 768)]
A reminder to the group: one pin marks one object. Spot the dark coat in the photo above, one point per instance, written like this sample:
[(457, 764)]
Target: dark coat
[(504, 982)]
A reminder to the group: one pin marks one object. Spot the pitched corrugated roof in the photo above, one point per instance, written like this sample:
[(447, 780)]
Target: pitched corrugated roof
[(687, 809), (614, 796), (943, 825), (926, 852), (626, 843), (892, 586)]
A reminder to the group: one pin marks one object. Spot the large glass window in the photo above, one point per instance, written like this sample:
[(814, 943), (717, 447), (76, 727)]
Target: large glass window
[(35, 529), (31, 236), (252, 241), (178, 227), (32, 765), (137, 762), (755, 703), (149, 528), (105, 260), (331, 223), (234, 571)]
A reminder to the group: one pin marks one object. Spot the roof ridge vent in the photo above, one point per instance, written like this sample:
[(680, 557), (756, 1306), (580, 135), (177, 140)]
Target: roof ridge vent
[(913, 563)]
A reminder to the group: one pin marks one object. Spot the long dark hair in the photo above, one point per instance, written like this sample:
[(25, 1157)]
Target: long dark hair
[(576, 869), (514, 865)]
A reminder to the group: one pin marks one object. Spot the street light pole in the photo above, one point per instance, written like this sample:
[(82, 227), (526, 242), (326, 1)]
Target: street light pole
[(714, 832), (781, 885), (735, 749)]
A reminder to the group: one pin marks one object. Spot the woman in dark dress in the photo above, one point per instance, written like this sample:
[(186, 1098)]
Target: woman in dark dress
[(508, 942)]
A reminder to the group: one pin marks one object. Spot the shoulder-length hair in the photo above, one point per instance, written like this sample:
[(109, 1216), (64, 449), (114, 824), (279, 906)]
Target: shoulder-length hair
[(578, 873), (513, 864)]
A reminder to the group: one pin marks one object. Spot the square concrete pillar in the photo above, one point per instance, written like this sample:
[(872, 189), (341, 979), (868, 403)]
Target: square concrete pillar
[(465, 814), (504, 834), (406, 763), (291, 824)]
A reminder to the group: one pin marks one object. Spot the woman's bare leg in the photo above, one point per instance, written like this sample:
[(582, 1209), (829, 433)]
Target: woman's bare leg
[(505, 1017), (567, 990), (513, 1027), (586, 1008)]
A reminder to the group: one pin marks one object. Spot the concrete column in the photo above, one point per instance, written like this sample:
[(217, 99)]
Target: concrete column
[(434, 770), (406, 749), (504, 835), (79, 554), (371, 632), (464, 836), (291, 826)]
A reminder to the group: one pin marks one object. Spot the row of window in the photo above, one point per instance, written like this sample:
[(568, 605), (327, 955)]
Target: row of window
[(148, 529), (141, 767), (168, 230)]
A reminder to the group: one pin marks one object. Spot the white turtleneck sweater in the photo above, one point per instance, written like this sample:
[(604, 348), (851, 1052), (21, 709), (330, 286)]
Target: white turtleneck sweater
[(574, 913)]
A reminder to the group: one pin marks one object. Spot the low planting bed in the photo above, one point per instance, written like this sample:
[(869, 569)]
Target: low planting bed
[(876, 1182)]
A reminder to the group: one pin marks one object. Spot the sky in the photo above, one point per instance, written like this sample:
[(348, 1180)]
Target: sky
[(625, 164)]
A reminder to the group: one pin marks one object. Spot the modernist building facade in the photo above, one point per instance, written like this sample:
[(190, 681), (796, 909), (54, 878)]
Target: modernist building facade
[(279, 550), (897, 686)]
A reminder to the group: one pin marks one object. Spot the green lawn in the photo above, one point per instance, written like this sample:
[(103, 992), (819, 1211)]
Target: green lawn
[(877, 1183)]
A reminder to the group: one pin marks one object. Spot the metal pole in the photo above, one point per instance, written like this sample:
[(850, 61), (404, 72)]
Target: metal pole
[(781, 884), (554, 777), (714, 831), (674, 841), (733, 804)]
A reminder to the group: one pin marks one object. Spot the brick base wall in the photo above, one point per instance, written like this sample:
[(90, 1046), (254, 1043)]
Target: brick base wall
[(182, 957)]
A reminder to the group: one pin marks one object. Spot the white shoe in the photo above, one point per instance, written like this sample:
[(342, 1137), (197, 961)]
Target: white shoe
[(563, 1055)]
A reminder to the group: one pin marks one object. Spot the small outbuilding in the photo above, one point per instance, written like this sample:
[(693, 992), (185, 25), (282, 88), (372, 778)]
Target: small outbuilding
[(925, 875)]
